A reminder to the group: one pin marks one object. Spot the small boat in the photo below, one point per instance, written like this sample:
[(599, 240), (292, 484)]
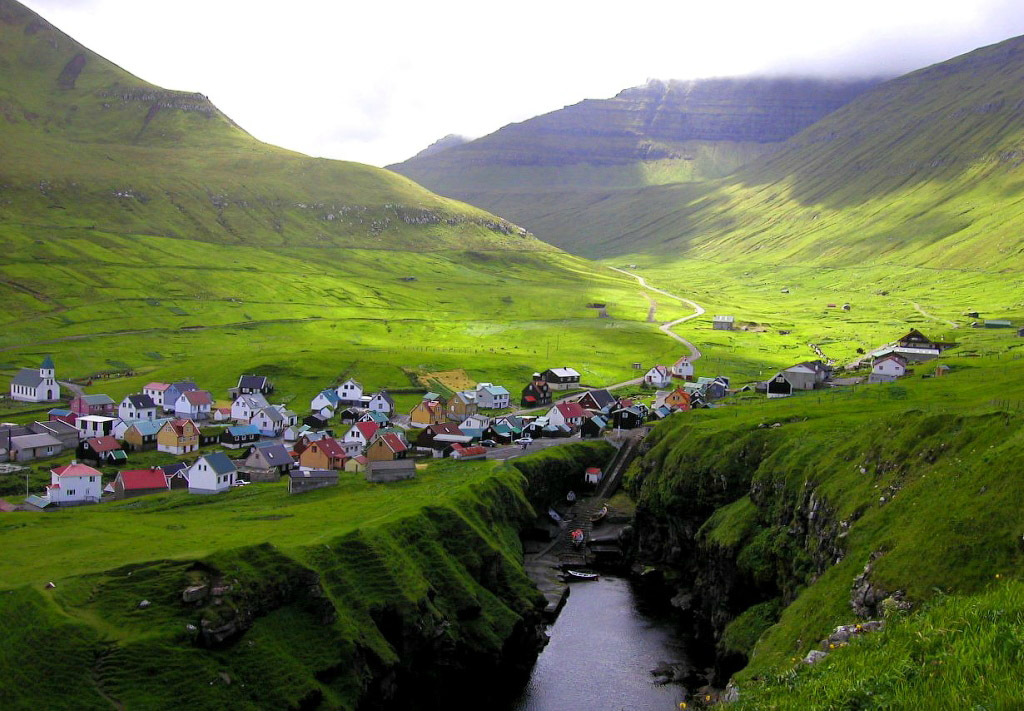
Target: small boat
[(599, 515), (579, 575)]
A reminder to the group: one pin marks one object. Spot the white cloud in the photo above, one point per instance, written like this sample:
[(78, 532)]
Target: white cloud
[(376, 82)]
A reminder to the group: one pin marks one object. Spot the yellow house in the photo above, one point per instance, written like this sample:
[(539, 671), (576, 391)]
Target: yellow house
[(428, 412), (178, 437), (678, 398), (385, 448)]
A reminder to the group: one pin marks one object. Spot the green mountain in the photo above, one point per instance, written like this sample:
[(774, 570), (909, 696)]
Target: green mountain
[(922, 170), (662, 132), (143, 228)]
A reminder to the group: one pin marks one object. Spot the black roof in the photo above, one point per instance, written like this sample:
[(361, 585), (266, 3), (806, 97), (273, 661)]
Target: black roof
[(256, 382), (141, 401)]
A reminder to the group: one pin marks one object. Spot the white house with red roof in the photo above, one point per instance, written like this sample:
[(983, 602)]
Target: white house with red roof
[(658, 377), (194, 405), (570, 414), (361, 433), (682, 368), (156, 392), (891, 365), (74, 483)]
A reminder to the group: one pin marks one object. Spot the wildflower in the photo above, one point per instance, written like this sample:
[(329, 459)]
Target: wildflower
[(997, 576)]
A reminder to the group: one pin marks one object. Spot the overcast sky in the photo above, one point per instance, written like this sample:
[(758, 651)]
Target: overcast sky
[(378, 81)]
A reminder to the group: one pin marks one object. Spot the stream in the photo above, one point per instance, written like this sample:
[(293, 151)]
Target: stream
[(603, 647)]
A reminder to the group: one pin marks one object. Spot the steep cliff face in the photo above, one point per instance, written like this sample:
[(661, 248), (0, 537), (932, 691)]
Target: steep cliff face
[(770, 537)]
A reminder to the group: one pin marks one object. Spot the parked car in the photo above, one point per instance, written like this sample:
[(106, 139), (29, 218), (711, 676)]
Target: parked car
[(488, 443), (524, 441)]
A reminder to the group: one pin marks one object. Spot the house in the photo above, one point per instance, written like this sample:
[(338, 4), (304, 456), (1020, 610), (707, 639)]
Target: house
[(381, 402), (461, 405), (714, 388), (174, 391), (891, 367), (194, 405), (249, 384), (66, 434), (780, 386), (139, 482), (663, 411), (678, 399), (60, 414), (356, 464), (561, 378), (475, 422), (427, 412), (94, 426), (723, 323), (351, 415), (593, 426), (210, 435), (325, 403), (499, 432), (316, 421), (176, 475), (307, 438), (390, 470), (378, 418), (178, 437), (386, 447), (102, 450), (155, 391), (428, 433), (593, 476), (537, 393), (658, 377), (474, 433), (268, 462), (628, 418), (807, 375), (309, 479), (28, 447), (211, 474), (36, 384), (325, 453), (362, 433), (682, 368), (490, 396), (137, 407), (461, 453), (350, 393), (141, 435), (269, 421), (600, 400), (569, 414), (998, 323), (220, 414), (73, 484), (92, 405), (292, 433), (245, 406), (239, 436)]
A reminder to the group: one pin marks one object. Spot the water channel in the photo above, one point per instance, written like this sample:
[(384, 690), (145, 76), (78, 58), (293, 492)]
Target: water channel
[(603, 647)]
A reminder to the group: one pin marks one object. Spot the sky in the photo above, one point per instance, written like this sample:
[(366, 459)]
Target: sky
[(378, 81)]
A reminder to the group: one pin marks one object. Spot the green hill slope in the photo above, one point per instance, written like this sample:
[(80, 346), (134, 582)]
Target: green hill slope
[(143, 228), (662, 132)]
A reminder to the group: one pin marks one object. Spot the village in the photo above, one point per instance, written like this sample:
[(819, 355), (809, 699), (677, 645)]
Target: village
[(348, 431)]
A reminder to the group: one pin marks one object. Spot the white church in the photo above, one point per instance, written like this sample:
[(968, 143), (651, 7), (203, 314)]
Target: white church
[(36, 385)]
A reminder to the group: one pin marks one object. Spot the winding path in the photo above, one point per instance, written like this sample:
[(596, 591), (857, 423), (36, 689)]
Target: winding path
[(917, 307), (666, 328)]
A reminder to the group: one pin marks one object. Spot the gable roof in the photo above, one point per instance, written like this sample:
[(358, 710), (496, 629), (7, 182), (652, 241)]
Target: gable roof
[(444, 428), (179, 425), (571, 409), (132, 479), (275, 453), (104, 444), (393, 442), (564, 372), (159, 387), (198, 397), (243, 430), (76, 469), (602, 397), (141, 401), (257, 382), (330, 395), (97, 399), (494, 390), (660, 370), (272, 413), (367, 429), (31, 441), (375, 416), (173, 468), (384, 395), (183, 386), (219, 462), (28, 377), (329, 446)]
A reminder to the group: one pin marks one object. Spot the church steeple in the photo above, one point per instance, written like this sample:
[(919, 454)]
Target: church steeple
[(46, 369)]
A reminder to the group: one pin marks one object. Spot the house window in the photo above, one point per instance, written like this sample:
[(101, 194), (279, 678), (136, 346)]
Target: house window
[(71, 492), (92, 479)]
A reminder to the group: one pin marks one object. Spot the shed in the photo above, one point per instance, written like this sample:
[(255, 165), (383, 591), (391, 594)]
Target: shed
[(390, 470), (723, 323), (302, 480)]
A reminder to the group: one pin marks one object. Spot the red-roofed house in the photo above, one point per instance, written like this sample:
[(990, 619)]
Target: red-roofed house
[(362, 433), (102, 450), (570, 414), (387, 446), (658, 377), (326, 453), (194, 404), (463, 453), (428, 412), (355, 464), (138, 482), (74, 483)]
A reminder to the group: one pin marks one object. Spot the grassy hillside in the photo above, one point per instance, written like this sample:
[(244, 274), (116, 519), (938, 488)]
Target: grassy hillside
[(662, 132), (144, 230)]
